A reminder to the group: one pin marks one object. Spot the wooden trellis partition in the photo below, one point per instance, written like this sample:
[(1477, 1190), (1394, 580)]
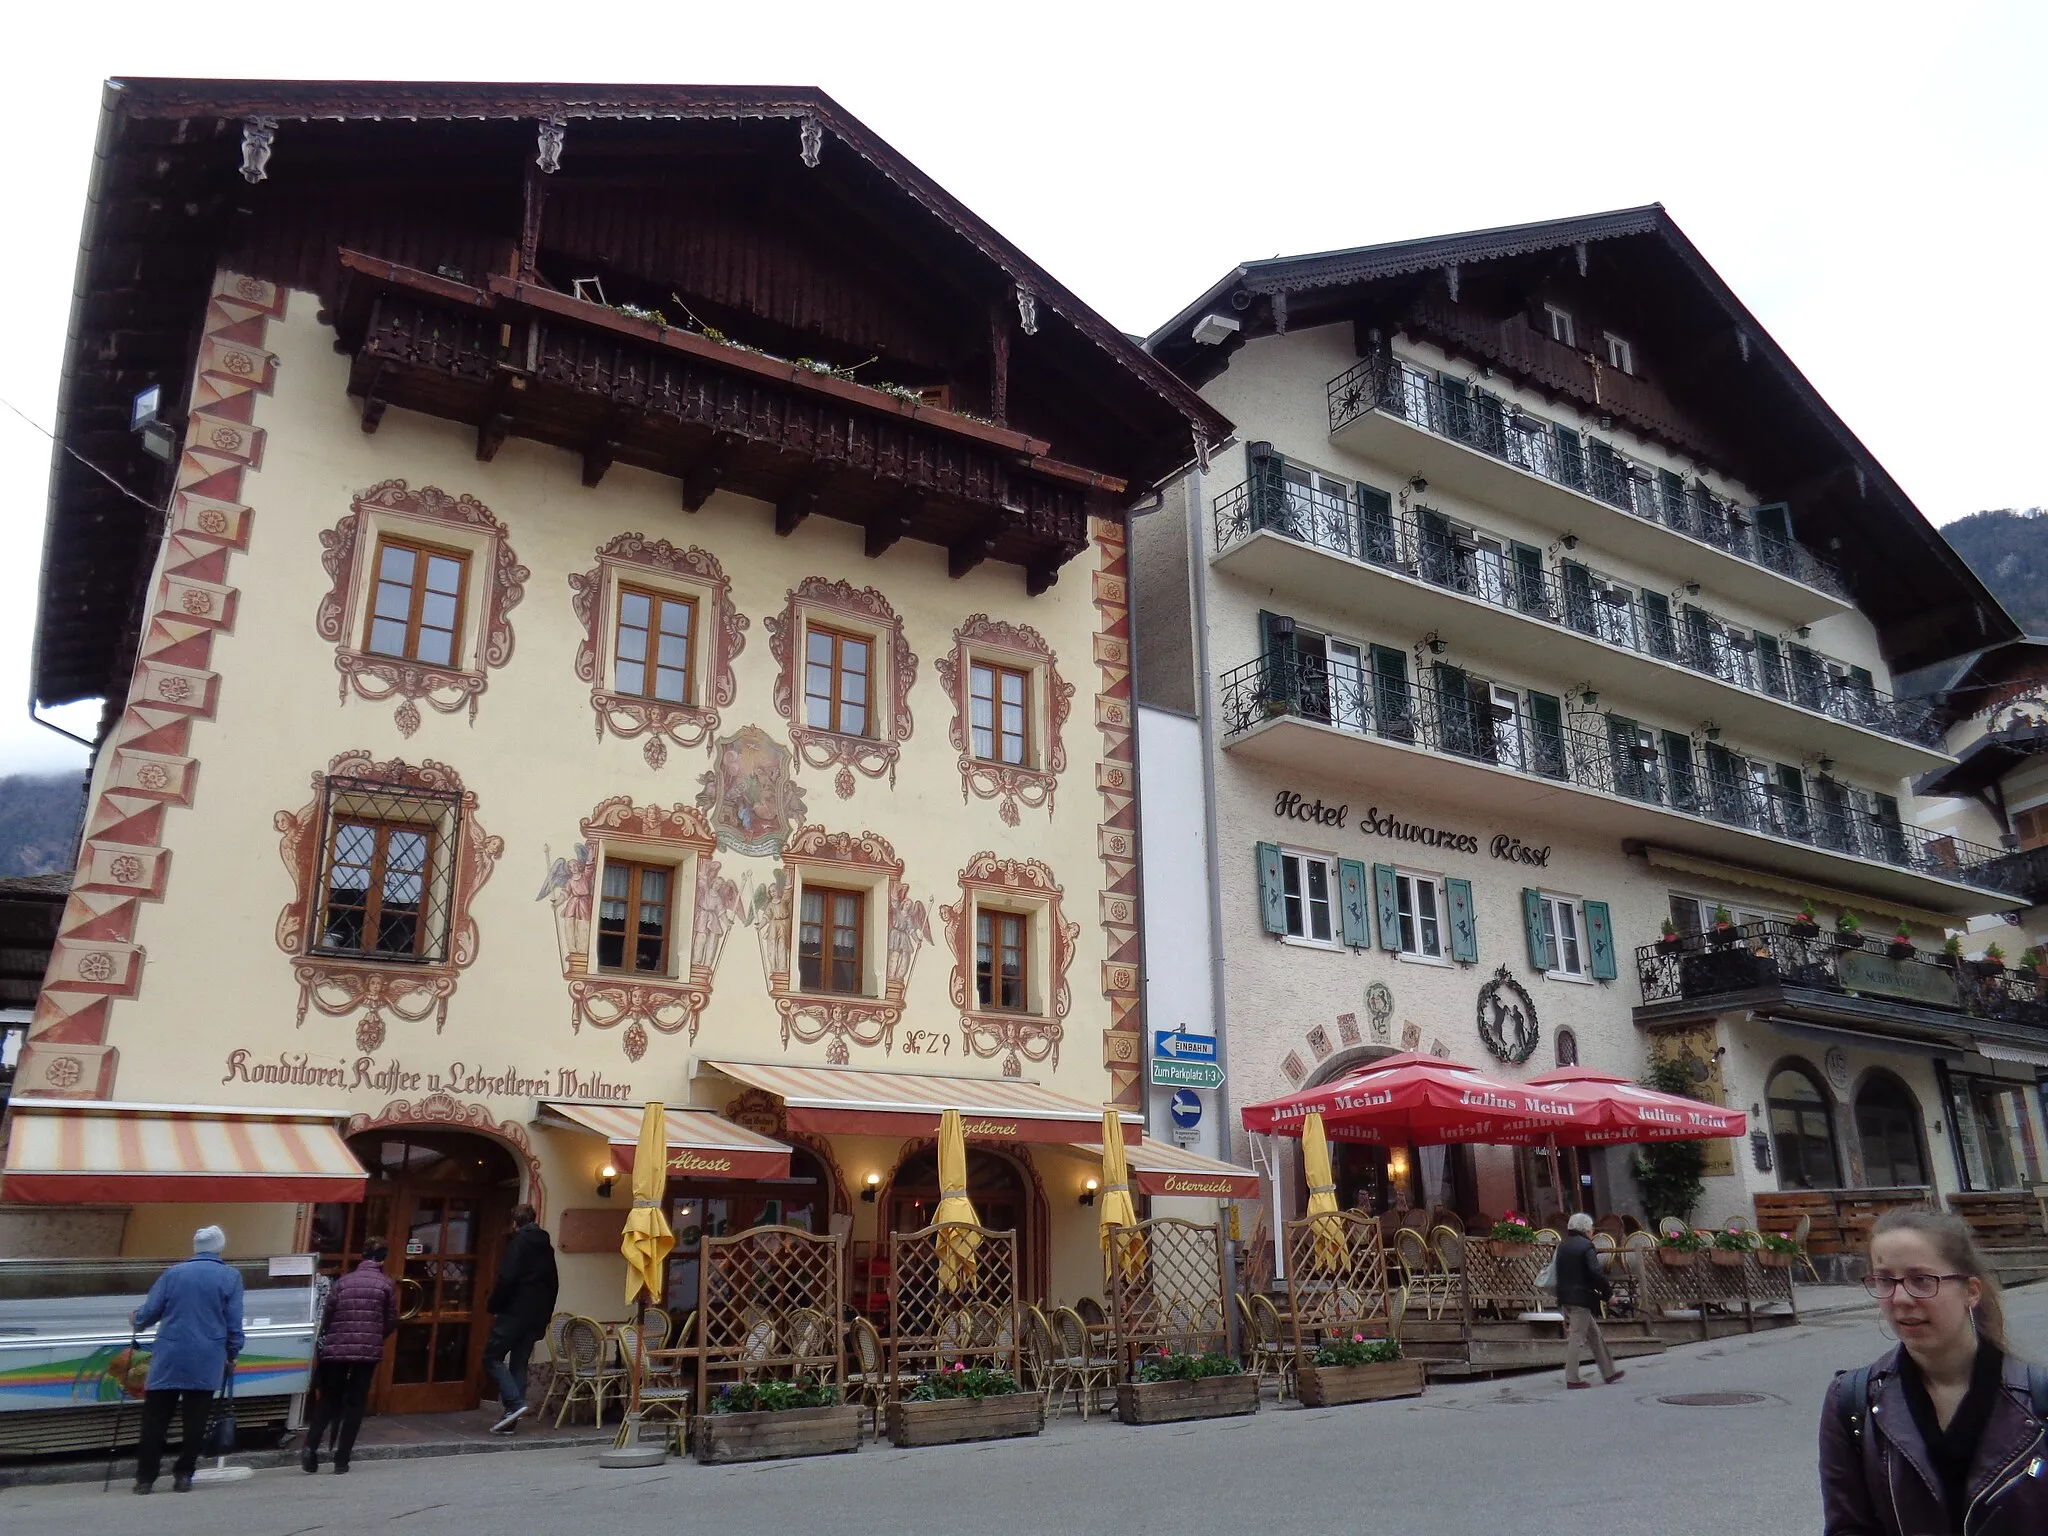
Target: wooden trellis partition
[(768, 1306), (942, 1312), (1336, 1279), (1166, 1289)]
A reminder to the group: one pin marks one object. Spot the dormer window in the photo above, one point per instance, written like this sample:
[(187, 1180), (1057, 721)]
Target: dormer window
[(1560, 322), (1619, 353)]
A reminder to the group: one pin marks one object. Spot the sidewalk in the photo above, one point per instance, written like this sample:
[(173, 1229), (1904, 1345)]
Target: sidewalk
[(1824, 1300)]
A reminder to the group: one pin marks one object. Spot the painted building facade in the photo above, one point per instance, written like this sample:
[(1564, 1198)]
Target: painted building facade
[(640, 616), (1539, 605)]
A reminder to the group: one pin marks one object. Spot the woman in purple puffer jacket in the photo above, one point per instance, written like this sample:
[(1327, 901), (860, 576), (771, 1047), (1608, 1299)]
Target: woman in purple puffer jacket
[(362, 1312)]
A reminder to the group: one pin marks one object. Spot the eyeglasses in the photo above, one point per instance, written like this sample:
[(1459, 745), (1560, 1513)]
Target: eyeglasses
[(1918, 1286)]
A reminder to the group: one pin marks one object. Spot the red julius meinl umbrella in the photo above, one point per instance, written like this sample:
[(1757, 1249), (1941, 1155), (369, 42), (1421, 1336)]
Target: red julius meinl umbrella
[(1427, 1101), (1613, 1109)]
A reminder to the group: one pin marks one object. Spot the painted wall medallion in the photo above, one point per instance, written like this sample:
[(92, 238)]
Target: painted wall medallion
[(431, 522), (1836, 1064), (1507, 1018), (749, 798), (1379, 1008), (1022, 652), (866, 616)]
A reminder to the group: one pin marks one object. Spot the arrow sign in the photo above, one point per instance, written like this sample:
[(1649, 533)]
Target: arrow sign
[(1186, 1074), (1178, 1045)]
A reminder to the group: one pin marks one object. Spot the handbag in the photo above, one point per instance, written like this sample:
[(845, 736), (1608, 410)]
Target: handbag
[(220, 1434), (1546, 1280)]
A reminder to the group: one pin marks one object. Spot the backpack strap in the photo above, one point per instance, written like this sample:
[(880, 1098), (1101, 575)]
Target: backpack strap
[(1852, 1402)]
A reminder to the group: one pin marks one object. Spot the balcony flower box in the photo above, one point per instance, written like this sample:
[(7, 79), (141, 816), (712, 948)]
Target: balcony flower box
[(1170, 1402), (1901, 949), (1669, 944), (729, 1437), (1804, 928), (1990, 969), (1727, 1258), (1772, 1260), (1327, 1386), (1676, 1258), (1723, 936), (954, 1420)]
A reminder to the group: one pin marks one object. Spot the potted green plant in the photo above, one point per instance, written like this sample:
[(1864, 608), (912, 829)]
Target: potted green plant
[(1513, 1238), (1951, 951), (964, 1402), (1901, 945), (1993, 963), (1679, 1250), (1806, 922), (1172, 1386), (1360, 1369), (1849, 931), (1668, 939), (1723, 934), (1731, 1246), (1776, 1250), (766, 1420), (2030, 962)]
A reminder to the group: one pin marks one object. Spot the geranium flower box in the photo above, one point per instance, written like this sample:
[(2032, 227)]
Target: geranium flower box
[(1326, 1386), (952, 1420), (728, 1437), (1170, 1402)]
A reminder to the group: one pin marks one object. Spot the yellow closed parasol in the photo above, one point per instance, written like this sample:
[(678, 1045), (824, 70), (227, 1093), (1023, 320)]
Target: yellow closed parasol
[(1332, 1252), (647, 1239), (1113, 1205), (956, 1249)]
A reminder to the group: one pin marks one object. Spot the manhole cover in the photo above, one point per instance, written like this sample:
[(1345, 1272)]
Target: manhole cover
[(1713, 1399)]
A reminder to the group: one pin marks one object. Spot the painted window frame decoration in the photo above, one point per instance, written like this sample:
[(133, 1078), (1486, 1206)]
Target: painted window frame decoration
[(1035, 1033), (863, 612), (1020, 648), (494, 583), (845, 861), (341, 983), (693, 574), (703, 904)]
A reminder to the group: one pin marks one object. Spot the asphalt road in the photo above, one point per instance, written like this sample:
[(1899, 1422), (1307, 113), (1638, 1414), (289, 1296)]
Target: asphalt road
[(1467, 1460)]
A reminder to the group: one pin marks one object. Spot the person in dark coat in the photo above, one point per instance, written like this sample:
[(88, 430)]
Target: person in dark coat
[(362, 1312), (197, 1309), (1944, 1438), (521, 1302), (1582, 1286)]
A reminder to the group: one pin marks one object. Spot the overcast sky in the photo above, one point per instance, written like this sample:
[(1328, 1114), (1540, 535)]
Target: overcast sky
[(1870, 178)]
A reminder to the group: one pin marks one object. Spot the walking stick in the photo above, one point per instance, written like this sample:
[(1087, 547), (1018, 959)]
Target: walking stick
[(120, 1402)]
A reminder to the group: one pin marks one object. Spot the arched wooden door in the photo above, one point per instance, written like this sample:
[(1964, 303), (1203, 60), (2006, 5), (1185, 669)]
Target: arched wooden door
[(1001, 1195), (442, 1201)]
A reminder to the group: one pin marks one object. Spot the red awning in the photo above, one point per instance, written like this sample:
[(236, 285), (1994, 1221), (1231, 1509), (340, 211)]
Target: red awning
[(849, 1101), (1626, 1112), (700, 1144), (76, 1152), (1160, 1168)]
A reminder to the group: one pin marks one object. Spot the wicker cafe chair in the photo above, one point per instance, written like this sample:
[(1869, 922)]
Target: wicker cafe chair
[(954, 1332), (660, 1327), (1272, 1344), (1092, 1374), (1090, 1312), (872, 1382), (763, 1335), (590, 1374), (1739, 1224), (1805, 1259), (1051, 1372), (1426, 1283), (1671, 1226), (1547, 1238), (1447, 1245), (664, 1397), (557, 1364), (808, 1335)]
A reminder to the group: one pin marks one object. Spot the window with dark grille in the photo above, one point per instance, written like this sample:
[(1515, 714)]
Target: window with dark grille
[(999, 701), (1802, 1126), (830, 939), (416, 605), (386, 871), (838, 670), (1000, 948), (633, 917), (651, 658)]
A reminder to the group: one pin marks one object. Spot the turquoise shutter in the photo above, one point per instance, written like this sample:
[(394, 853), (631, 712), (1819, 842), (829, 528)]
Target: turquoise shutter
[(1532, 924), (1269, 491), (1464, 924), (1600, 939), (1351, 897), (1389, 904), (1272, 897)]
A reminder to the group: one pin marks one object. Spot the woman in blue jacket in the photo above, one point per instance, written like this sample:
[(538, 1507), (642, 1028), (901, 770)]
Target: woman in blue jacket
[(197, 1309)]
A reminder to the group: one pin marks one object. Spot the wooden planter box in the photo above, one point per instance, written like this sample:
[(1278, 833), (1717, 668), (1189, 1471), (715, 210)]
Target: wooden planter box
[(1325, 1386), (1503, 1249), (1169, 1402), (1726, 1258), (1676, 1258), (723, 1437), (951, 1420), (1771, 1260)]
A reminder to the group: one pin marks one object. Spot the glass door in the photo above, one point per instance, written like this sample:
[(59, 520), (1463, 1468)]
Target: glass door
[(441, 1321), (1347, 685)]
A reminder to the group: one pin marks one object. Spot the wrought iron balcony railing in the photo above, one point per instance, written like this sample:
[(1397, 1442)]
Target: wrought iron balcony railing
[(1608, 758), (1494, 569), (1574, 459), (1777, 954)]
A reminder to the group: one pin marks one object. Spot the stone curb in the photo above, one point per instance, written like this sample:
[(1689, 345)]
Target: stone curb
[(124, 1470)]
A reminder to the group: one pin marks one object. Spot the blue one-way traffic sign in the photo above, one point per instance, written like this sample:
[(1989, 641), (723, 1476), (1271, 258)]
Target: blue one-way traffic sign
[(1178, 1045)]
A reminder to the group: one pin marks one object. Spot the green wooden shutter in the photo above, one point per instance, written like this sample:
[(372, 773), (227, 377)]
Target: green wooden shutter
[(1464, 922), (1657, 625), (1578, 598), (1770, 665), (1600, 939), (1392, 711), (1671, 493), (1272, 893), (1389, 903), (1546, 727), (1532, 926), (1377, 540), (1351, 898), (1269, 494), (1678, 762), (1571, 459), (1774, 520), (1532, 593)]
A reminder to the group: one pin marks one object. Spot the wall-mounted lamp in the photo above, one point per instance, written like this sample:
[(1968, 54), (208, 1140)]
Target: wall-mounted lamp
[(1417, 484), (1397, 1164), (1692, 589), (871, 1188), (605, 1176), (1713, 731), (1571, 541), (1437, 643), (1804, 631), (1589, 695), (1088, 1189)]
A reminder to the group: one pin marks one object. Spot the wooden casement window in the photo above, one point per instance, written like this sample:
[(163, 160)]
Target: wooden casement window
[(416, 605), (838, 669), (1001, 952), (2032, 826), (634, 918), (999, 713), (651, 657), (831, 936), (377, 878)]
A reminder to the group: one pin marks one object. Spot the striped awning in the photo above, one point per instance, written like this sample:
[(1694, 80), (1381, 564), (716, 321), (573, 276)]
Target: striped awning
[(1160, 1168), (848, 1101), (700, 1144), (70, 1152)]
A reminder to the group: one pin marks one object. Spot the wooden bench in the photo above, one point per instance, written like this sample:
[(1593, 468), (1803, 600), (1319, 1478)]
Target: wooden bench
[(1842, 1218), (2004, 1220), (1781, 1213)]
